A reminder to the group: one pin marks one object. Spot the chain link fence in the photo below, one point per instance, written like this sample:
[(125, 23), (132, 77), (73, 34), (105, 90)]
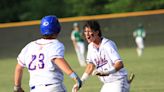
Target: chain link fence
[(13, 39)]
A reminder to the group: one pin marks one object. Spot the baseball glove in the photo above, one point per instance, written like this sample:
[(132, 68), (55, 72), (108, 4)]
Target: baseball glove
[(131, 77)]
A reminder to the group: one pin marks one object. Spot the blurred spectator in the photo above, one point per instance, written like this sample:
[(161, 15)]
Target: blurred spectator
[(78, 42), (139, 34)]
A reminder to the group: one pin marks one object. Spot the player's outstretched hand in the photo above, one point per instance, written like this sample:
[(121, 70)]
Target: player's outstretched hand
[(78, 81), (18, 89), (75, 88), (95, 72)]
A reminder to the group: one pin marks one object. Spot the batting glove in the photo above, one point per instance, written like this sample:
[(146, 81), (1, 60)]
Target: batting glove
[(18, 89), (77, 80)]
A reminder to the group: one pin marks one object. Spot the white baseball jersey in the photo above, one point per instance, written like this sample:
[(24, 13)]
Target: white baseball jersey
[(104, 57), (37, 57)]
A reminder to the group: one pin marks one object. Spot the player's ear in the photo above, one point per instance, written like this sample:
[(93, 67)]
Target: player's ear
[(97, 32)]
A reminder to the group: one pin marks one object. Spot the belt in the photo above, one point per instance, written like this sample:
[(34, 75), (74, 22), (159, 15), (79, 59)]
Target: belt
[(33, 87)]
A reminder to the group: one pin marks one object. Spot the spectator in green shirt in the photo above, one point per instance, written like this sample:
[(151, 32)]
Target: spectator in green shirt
[(78, 42), (139, 34)]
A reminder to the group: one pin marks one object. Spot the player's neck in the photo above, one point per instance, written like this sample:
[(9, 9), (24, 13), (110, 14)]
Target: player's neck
[(50, 37), (97, 42)]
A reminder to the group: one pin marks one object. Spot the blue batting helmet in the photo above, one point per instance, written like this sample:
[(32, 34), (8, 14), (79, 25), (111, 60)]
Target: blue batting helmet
[(49, 25)]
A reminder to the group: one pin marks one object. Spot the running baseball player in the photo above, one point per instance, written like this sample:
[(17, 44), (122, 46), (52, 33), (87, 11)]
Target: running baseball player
[(78, 43), (104, 60), (44, 59), (139, 34)]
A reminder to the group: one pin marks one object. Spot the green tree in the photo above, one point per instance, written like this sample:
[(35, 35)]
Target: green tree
[(35, 9), (21, 10), (117, 6), (86, 7), (10, 10)]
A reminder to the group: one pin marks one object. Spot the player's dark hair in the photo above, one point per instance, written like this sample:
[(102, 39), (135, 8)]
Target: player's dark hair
[(94, 25)]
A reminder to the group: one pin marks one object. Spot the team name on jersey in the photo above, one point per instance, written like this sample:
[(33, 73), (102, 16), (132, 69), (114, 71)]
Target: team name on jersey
[(100, 62)]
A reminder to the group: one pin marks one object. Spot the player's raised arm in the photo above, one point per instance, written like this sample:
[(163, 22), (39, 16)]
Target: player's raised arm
[(44, 59)]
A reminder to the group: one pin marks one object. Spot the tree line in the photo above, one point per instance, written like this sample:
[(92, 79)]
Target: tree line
[(25, 10)]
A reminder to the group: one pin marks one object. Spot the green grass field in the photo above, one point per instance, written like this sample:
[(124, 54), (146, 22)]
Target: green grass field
[(148, 69)]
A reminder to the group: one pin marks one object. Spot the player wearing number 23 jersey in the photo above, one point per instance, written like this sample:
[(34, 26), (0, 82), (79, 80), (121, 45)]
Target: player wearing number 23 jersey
[(44, 59), (37, 56)]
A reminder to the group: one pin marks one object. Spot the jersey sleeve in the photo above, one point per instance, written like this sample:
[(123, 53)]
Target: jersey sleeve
[(21, 56), (57, 51), (113, 52)]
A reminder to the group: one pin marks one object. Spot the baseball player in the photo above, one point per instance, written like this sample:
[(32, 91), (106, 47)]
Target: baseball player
[(44, 59), (139, 34), (104, 60), (78, 43)]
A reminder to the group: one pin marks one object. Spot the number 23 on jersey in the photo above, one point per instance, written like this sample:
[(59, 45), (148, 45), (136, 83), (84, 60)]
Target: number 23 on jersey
[(37, 62)]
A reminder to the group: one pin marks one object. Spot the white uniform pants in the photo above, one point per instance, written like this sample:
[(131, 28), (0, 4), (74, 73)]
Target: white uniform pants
[(140, 45), (139, 42), (121, 85), (80, 51)]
